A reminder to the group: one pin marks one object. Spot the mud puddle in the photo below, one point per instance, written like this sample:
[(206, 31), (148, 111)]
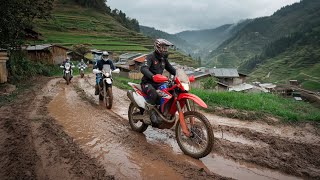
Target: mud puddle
[(90, 128), (165, 139)]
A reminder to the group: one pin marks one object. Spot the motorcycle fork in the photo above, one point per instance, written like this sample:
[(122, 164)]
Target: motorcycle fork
[(184, 126), (189, 109)]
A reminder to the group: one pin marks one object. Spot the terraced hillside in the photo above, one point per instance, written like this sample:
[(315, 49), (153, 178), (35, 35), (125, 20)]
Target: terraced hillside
[(73, 24)]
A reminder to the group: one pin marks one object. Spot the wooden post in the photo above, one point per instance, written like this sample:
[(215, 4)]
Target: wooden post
[(3, 68)]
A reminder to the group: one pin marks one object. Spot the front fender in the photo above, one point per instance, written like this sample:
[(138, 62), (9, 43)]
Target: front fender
[(184, 96)]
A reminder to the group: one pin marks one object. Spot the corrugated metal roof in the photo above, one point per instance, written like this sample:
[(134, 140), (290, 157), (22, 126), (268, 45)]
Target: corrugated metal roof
[(224, 72), (38, 47)]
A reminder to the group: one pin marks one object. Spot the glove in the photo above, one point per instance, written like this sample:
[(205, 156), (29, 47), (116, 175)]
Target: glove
[(158, 78)]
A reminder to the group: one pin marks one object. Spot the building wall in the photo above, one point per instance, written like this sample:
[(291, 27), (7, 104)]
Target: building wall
[(58, 54), (52, 55), (43, 56), (3, 67)]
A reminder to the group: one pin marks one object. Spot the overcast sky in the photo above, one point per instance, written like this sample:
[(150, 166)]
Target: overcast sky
[(174, 16)]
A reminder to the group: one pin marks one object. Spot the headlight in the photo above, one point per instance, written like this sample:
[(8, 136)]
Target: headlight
[(107, 74), (186, 86)]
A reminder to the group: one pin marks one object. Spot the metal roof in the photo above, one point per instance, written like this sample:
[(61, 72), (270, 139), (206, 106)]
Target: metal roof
[(140, 58), (241, 87), (40, 47), (224, 72)]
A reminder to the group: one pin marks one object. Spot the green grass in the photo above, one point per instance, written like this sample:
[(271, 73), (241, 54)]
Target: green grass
[(122, 82), (286, 109)]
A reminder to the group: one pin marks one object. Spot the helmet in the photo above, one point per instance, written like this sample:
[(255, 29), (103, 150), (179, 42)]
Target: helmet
[(105, 55), (161, 46)]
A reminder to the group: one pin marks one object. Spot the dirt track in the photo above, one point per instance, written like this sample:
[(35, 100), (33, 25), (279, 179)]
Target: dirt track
[(62, 132)]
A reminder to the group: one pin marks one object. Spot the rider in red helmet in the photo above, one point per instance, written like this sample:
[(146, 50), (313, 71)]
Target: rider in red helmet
[(155, 63)]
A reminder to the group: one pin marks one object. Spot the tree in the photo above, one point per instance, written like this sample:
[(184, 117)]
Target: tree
[(81, 49), (17, 15)]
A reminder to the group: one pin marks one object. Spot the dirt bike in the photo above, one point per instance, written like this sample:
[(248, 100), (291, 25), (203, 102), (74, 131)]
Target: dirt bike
[(81, 70), (67, 71), (105, 86), (193, 131)]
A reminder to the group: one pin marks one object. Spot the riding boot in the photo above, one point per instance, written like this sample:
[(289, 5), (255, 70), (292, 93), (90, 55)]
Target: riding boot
[(96, 92), (154, 119)]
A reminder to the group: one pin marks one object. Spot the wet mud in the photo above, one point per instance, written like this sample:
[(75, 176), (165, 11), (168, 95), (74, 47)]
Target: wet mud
[(66, 129), (252, 149)]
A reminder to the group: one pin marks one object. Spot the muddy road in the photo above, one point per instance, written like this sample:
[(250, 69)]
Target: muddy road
[(63, 132)]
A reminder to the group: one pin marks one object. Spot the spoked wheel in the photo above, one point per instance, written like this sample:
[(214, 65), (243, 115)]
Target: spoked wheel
[(200, 143), (133, 115), (108, 97)]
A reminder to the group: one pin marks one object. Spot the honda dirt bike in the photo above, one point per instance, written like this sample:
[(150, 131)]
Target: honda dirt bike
[(193, 131), (67, 71), (105, 86)]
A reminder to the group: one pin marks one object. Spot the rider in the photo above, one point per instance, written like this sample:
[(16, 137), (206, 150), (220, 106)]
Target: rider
[(67, 60), (98, 68), (82, 63), (154, 64)]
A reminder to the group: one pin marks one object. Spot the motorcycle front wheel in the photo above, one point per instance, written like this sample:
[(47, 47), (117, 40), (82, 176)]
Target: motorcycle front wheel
[(68, 78), (136, 124), (200, 143), (108, 97)]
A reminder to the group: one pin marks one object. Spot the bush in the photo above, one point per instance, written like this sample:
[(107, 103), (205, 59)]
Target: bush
[(21, 68)]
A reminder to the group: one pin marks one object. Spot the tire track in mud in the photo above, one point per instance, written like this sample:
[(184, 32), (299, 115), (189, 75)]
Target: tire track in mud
[(239, 144), (119, 149)]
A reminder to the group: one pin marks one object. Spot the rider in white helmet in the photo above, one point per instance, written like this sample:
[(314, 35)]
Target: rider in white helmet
[(99, 66)]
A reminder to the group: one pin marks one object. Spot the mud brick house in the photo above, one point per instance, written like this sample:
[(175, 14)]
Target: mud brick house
[(47, 53)]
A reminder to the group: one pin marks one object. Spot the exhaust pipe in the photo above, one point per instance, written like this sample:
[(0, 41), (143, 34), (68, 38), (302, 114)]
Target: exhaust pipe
[(130, 96)]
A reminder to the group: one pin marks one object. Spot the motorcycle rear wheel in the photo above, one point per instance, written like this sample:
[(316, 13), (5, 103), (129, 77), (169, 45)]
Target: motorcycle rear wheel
[(138, 126), (201, 141)]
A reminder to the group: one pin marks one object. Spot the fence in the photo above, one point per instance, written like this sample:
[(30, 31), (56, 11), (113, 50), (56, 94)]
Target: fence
[(130, 75), (3, 68)]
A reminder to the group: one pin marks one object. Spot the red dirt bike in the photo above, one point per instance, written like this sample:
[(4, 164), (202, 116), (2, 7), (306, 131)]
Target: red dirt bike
[(193, 131)]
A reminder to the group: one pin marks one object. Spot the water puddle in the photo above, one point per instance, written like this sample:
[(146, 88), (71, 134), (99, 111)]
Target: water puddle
[(86, 124), (239, 170), (239, 139), (89, 128)]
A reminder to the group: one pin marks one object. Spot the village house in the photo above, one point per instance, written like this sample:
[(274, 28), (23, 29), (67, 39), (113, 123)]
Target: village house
[(227, 76), (47, 53)]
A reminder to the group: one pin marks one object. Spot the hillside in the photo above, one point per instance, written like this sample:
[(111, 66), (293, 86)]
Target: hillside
[(209, 39), (294, 57), (253, 38), (74, 24)]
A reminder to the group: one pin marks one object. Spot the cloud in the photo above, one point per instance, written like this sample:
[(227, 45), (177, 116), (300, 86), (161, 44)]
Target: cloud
[(179, 15)]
